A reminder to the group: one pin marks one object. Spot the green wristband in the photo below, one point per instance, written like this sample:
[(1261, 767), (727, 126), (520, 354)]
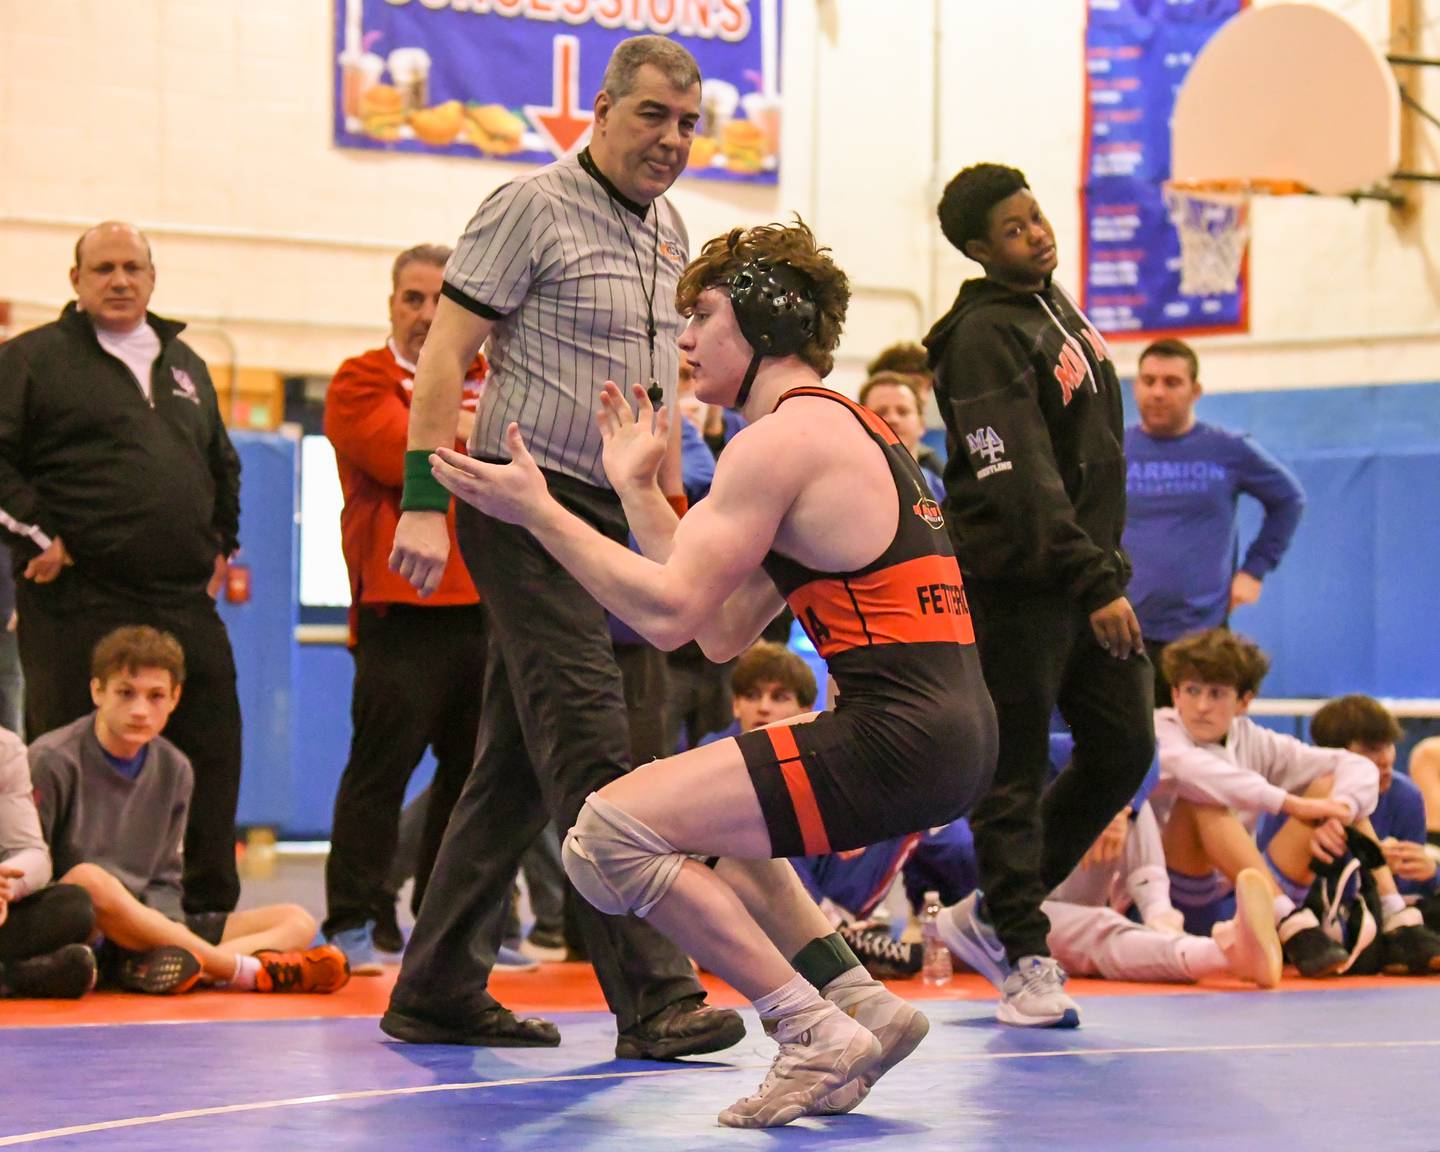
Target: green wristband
[(423, 493)]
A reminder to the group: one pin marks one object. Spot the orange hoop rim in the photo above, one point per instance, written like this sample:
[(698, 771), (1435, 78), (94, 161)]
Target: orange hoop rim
[(1258, 186)]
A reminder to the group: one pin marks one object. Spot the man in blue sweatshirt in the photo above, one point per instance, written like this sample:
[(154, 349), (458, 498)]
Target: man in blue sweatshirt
[(1183, 483)]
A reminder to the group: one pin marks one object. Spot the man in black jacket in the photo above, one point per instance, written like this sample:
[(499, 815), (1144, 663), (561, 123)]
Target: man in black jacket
[(121, 493), (1035, 487)]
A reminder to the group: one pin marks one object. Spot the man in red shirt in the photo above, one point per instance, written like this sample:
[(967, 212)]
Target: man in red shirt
[(418, 663)]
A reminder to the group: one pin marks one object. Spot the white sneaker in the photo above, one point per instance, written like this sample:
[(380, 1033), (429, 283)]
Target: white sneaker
[(1034, 996), (820, 1050), (1250, 942), (896, 1023)]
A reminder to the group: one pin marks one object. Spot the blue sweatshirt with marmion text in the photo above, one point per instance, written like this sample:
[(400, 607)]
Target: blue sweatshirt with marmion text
[(1181, 531)]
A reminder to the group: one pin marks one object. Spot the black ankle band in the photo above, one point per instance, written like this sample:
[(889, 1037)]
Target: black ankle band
[(825, 958)]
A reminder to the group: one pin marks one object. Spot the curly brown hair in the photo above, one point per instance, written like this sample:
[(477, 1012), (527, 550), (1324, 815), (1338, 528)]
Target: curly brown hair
[(1216, 656), (791, 244), (135, 648)]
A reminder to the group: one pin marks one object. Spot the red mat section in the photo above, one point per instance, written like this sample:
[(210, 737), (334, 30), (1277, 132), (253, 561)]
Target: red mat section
[(552, 988)]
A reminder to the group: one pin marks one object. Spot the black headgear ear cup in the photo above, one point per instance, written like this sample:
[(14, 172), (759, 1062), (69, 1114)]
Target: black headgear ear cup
[(774, 307)]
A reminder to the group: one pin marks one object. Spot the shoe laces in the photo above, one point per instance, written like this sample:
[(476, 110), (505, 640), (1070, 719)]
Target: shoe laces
[(790, 1056), (1333, 900), (1042, 976), (878, 946), (284, 974)]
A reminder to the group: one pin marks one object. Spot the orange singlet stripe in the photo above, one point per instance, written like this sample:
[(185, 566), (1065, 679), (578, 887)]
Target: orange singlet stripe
[(913, 602), (802, 796)]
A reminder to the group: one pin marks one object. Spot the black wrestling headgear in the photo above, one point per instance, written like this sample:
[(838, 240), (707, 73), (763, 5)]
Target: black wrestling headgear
[(775, 310)]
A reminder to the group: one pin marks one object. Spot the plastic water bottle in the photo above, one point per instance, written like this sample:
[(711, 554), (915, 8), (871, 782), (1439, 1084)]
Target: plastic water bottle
[(936, 968)]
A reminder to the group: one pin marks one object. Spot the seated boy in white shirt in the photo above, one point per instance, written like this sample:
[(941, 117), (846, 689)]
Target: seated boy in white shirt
[(1220, 773)]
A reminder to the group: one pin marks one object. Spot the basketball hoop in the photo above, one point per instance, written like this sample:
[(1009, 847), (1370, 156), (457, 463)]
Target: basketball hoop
[(1212, 218)]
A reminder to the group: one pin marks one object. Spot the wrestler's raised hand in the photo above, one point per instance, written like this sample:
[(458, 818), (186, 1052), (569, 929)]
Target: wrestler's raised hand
[(515, 492), (634, 442)]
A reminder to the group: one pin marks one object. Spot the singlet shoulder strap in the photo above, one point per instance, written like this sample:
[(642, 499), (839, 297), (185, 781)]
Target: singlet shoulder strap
[(873, 423)]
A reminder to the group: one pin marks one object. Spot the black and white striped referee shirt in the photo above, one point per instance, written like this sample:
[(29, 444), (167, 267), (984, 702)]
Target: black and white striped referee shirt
[(549, 258)]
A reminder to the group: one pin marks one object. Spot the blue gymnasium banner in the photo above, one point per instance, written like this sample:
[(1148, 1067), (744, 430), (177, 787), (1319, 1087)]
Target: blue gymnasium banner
[(1137, 53), (516, 79)]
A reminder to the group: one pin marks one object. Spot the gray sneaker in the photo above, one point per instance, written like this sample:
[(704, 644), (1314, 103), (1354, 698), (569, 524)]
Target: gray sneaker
[(965, 931), (896, 1023), (1034, 996), (821, 1049)]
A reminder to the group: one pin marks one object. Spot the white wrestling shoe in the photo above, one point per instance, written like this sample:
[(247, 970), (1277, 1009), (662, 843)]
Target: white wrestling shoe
[(1250, 942), (820, 1050), (896, 1023)]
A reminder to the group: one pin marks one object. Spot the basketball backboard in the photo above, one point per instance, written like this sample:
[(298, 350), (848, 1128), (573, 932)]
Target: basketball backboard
[(1288, 92)]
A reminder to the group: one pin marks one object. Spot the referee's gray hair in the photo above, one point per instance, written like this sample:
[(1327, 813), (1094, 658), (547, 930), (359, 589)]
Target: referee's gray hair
[(673, 59), (434, 254)]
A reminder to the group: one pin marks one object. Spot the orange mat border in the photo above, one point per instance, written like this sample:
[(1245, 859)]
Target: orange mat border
[(553, 988)]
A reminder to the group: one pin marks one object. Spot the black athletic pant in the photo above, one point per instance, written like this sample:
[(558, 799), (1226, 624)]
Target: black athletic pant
[(1154, 649), (46, 920), (552, 730), (60, 624), (417, 675), (1037, 651)]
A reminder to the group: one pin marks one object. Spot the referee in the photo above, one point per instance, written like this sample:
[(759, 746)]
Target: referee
[(570, 271)]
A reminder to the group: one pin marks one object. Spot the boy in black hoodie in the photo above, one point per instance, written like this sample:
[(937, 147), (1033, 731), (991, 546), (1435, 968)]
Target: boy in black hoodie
[(1035, 488)]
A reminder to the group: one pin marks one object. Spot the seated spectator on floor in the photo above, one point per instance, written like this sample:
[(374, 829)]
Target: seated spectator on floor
[(895, 399), (1221, 774), (770, 683), (44, 927), (1093, 931), (113, 795), (1424, 770), (1361, 724)]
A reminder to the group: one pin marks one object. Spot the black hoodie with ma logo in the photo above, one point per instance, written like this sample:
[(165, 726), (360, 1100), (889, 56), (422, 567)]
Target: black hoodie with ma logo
[(1035, 483)]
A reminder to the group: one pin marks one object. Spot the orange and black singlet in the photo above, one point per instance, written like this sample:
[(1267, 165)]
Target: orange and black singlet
[(911, 742)]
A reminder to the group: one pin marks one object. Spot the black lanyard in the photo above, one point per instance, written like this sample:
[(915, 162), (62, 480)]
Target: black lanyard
[(655, 392)]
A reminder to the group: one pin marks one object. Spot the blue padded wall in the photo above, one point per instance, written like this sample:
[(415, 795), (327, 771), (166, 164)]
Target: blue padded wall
[(262, 632), (1351, 608)]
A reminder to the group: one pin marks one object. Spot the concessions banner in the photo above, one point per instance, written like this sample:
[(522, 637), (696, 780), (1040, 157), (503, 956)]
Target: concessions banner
[(1137, 53), (516, 79)]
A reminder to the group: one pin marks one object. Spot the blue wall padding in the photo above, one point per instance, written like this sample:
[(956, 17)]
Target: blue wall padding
[(262, 632), (1350, 609)]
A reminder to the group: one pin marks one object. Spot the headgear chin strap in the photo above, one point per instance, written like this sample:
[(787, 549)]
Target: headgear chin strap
[(775, 309)]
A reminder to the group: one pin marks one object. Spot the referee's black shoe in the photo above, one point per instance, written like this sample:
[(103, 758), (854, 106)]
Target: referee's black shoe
[(688, 1027), (494, 1027)]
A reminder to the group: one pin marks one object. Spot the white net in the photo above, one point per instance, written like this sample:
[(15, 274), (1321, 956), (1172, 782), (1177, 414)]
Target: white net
[(1214, 227)]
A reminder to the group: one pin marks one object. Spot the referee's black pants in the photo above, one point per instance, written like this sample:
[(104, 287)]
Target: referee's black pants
[(1037, 651), (418, 671), (59, 625), (552, 730)]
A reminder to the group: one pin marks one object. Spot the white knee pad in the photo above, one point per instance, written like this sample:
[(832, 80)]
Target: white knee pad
[(616, 862)]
